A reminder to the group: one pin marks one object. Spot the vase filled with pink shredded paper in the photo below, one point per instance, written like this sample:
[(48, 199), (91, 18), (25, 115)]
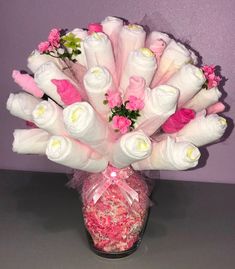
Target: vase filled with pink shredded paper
[(115, 209)]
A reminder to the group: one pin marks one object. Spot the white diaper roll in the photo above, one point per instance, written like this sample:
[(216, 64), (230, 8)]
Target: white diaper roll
[(141, 62), (82, 34), (71, 153), (30, 141), (154, 35), (99, 51), (173, 58), (83, 123), (160, 103), (189, 80), (97, 82), (112, 27), (203, 99), (45, 73), (203, 130), (131, 147), (22, 105), (36, 59), (131, 37), (49, 116), (170, 155)]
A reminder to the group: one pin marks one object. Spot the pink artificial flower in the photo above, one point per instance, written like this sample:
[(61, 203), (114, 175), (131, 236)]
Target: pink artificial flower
[(212, 79), (114, 98), (94, 28), (134, 103), (44, 47), (121, 123), (54, 38), (178, 120)]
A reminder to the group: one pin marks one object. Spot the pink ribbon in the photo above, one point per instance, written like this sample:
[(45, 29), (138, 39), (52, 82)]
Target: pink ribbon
[(113, 176)]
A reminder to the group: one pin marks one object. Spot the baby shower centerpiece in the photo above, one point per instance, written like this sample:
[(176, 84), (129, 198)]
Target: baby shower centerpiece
[(110, 102)]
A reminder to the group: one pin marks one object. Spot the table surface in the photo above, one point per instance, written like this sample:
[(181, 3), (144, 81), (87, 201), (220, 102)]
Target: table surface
[(191, 225)]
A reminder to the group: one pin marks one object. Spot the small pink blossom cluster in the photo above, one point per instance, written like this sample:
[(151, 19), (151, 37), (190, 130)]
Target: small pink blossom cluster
[(53, 41), (123, 114), (212, 79)]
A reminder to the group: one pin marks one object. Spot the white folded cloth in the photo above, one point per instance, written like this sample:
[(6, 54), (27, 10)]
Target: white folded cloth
[(36, 59), (45, 73), (71, 153), (82, 34), (97, 82), (203, 130), (83, 123), (131, 37), (189, 80), (173, 58), (160, 103), (30, 141), (141, 62), (170, 155), (49, 116), (22, 105), (203, 99), (112, 27), (131, 147), (154, 35), (99, 51)]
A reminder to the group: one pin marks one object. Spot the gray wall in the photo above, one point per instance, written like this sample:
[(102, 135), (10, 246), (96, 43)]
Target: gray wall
[(207, 25)]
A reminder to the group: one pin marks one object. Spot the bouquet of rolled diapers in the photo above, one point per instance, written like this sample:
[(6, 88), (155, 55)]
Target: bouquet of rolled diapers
[(112, 101)]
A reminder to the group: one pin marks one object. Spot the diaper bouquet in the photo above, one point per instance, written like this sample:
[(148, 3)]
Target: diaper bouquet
[(113, 100)]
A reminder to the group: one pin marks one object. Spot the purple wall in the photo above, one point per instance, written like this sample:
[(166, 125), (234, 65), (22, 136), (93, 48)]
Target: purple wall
[(207, 25)]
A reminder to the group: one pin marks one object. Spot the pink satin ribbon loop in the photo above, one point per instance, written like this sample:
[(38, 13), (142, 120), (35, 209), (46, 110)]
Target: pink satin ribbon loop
[(113, 176)]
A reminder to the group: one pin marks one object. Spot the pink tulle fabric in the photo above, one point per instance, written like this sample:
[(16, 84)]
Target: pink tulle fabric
[(112, 222), (27, 83), (68, 93), (178, 120)]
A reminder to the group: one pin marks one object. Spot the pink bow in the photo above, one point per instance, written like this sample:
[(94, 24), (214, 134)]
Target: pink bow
[(110, 177)]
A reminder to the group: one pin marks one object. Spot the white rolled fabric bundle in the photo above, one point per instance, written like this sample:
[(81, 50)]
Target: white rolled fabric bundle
[(131, 37), (173, 58), (71, 153), (154, 35), (141, 62), (189, 80), (22, 105), (130, 148), (170, 155), (160, 103), (45, 73), (112, 27), (203, 130), (49, 116), (82, 34), (97, 82), (36, 59), (203, 99), (83, 123), (98, 50), (30, 141)]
